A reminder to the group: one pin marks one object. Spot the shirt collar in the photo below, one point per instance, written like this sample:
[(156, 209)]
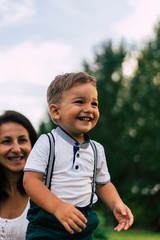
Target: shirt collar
[(60, 131)]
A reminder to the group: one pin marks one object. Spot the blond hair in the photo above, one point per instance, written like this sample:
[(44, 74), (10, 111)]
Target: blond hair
[(65, 82)]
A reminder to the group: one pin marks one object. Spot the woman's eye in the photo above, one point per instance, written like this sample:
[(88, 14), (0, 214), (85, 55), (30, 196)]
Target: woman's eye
[(5, 142), (22, 140)]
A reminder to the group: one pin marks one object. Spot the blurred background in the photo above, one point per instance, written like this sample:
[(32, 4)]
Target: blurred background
[(119, 43)]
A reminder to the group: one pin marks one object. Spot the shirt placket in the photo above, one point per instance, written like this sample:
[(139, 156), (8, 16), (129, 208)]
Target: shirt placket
[(4, 229)]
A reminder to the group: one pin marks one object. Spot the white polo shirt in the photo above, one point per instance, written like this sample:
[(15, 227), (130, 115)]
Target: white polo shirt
[(73, 169)]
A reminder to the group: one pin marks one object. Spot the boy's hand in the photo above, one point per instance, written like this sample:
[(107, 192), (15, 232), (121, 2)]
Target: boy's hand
[(70, 217), (124, 216)]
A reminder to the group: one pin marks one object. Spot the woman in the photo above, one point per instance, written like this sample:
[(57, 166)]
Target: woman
[(17, 137)]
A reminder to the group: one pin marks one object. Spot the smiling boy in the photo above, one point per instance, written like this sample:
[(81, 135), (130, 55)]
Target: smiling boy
[(73, 105)]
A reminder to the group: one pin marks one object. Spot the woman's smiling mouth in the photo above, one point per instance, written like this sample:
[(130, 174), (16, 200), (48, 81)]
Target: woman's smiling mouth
[(16, 158)]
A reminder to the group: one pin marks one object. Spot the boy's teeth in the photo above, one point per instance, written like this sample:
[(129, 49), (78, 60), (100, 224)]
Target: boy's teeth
[(85, 119)]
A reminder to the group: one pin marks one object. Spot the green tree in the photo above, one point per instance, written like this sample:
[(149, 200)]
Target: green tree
[(144, 98), (129, 126)]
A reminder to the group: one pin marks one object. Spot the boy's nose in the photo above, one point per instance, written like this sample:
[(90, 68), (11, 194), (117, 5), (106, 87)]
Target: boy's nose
[(87, 108)]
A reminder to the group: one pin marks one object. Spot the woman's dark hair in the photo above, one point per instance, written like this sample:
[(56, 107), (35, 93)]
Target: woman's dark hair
[(15, 117)]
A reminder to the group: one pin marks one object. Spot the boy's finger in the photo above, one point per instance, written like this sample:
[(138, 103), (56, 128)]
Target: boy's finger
[(130, 217), (80, 216), (74, 225), (68, 228), (128, 224), (119, 227), (78, 221)]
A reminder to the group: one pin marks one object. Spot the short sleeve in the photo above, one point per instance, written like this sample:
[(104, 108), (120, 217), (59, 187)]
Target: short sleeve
[(102, 173), (38, 157)]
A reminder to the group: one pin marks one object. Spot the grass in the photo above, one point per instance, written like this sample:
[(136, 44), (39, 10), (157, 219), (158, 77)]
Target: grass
[(132, 235), (110, 234)]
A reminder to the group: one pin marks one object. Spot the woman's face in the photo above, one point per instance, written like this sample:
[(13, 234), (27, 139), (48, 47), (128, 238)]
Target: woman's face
[(15, 146)]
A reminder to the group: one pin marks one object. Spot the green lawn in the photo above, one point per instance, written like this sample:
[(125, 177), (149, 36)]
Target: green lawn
[(128, 235), (108, 233), (132, 235)]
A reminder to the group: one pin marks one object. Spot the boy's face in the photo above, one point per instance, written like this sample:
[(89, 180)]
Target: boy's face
[(77, 113)]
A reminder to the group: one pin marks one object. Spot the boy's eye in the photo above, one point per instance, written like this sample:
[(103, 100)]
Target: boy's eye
[(79, 101), (95, 104)]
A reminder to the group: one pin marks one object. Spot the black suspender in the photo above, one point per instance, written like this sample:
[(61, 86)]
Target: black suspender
[(94, 171), (51, 161)]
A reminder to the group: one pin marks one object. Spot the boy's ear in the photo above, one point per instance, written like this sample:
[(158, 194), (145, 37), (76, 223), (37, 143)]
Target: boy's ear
[(54, 111)]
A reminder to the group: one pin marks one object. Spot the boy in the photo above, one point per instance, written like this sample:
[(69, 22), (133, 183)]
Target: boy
[(73, 105)]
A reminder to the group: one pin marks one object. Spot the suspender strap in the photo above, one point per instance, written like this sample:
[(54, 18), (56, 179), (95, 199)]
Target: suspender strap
[(94, 171), (51, 160)]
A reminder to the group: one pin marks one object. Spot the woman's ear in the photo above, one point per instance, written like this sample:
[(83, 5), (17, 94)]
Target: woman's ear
[(54, 111)]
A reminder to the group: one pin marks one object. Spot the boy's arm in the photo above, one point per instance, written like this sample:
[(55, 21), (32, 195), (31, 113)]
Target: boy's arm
[(66, 213), (111, 198)]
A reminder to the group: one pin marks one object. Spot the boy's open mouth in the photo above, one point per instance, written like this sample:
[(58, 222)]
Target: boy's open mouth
[(87, 119)]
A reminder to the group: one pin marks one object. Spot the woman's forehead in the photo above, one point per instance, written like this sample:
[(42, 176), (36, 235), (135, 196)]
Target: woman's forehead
[(11, 128)]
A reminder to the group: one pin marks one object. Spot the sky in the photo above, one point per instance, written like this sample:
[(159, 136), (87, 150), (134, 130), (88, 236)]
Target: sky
[(40, 39)]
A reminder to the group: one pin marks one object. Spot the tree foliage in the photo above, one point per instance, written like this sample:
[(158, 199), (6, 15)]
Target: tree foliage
[(129, 124), (144, 98)]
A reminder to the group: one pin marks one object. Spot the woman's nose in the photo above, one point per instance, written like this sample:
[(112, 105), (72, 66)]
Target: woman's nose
[(16, 147)]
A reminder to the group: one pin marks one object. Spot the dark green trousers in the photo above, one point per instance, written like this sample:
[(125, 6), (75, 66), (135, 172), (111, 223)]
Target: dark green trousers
[(44, 226)]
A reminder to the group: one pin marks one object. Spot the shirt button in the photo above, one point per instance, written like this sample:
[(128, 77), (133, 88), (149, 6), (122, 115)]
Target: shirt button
[(77, 155), (76, 167)]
